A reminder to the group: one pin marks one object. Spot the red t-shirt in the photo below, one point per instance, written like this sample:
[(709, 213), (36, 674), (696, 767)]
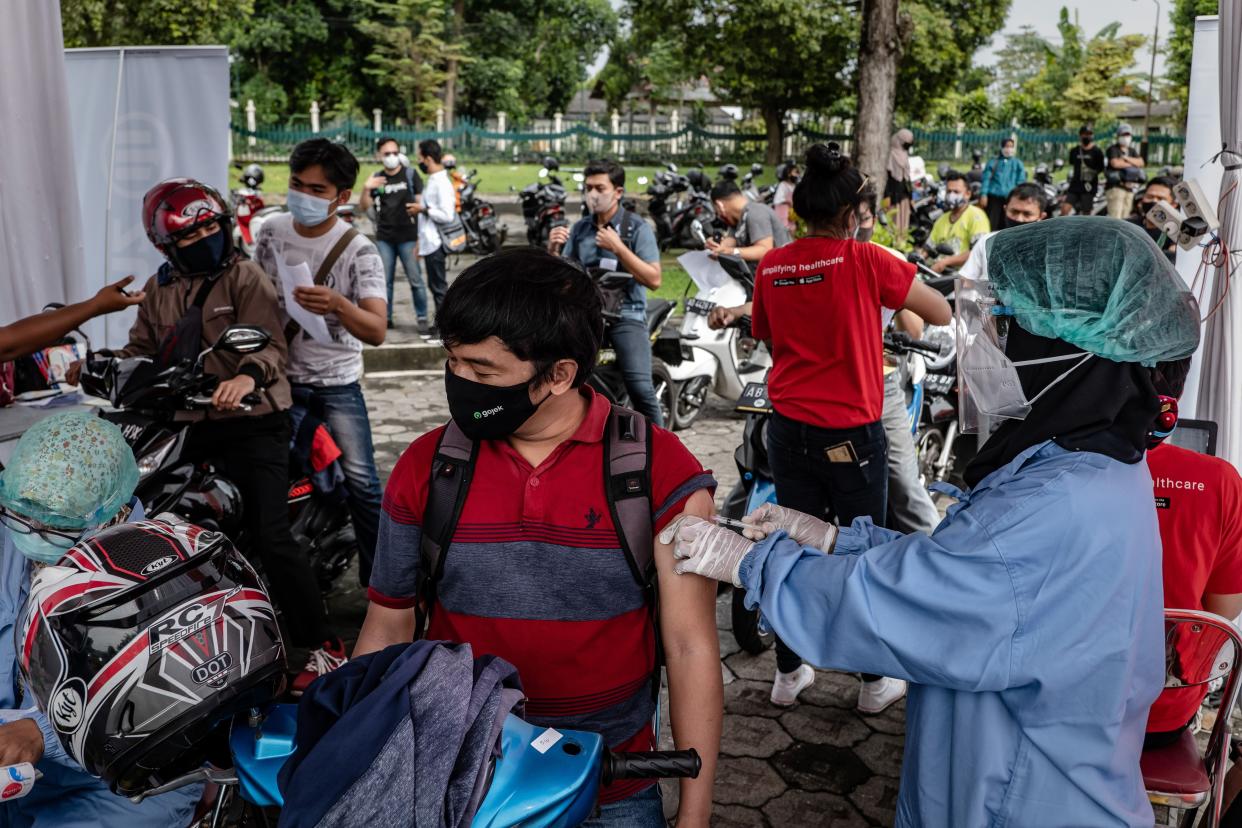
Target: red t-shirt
[(817, 301), (1199, 504), (536, 575)]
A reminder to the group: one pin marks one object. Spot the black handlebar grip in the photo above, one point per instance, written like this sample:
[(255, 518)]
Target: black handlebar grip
[(253, 398), (660, 764), (924, 345)]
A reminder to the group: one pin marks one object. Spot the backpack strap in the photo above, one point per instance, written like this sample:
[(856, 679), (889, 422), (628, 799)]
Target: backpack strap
[(627, 481), (321, 275), (451, 470), (629, 227)]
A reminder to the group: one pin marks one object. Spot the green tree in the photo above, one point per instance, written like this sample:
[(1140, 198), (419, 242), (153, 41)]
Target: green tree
[(410, 52), (150, 22), (946, 34), (1180, 43), (1103, 75), (1020, 60)]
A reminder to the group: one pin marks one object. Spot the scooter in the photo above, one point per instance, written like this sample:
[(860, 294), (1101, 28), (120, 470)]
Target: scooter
[(534, 782), (483, 235), (543, 204), (145, 400), (248, 205), (721, 360)]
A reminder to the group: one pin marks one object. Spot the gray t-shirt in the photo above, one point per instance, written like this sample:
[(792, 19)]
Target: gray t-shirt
[(358, 274), (758, 222)]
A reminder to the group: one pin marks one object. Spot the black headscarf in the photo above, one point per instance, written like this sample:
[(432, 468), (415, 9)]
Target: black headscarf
[(1103, 406)]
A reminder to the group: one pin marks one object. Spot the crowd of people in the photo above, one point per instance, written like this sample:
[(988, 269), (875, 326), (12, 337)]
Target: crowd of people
[(1025, 629)]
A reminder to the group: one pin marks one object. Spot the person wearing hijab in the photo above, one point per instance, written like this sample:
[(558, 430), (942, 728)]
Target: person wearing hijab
[(897, 185), (1030, 623), (70, 475)]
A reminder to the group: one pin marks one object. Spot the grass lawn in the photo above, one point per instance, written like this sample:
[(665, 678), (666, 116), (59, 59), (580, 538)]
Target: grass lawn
[(674, 281), (492, 178)]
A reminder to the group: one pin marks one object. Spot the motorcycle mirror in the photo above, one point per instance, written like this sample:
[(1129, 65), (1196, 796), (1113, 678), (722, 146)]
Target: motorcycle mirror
[(579, 177), (543, 172), (642, 179), (1058, 163), (242, 339), (550, 163), (756, 168), (672, 167)]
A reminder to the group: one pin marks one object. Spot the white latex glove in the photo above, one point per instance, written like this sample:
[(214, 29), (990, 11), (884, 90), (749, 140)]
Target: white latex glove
[(706, 549), (806, 530)]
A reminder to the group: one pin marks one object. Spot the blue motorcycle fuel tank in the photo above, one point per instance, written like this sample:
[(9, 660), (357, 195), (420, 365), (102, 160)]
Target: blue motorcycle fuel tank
[(544, 778)]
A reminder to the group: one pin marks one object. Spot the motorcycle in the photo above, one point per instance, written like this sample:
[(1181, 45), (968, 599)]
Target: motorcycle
[(483, 236), (543, 204), (1053, 193), (724, 361), (532, 782), (607, 378), (755, 484), (145, 400), (249, 209)]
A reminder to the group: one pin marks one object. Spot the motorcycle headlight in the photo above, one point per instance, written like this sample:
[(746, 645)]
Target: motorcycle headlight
[(152, 460)]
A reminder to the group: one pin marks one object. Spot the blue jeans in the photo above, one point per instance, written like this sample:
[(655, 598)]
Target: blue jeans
[(642, 810), (344, 410), (389, 251), (807, 481), (633, 347)]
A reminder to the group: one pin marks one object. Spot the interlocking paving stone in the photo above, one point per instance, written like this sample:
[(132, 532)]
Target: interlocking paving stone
[(746, 781), (753, 736), (813, 810), (811, 767), (825, 726)]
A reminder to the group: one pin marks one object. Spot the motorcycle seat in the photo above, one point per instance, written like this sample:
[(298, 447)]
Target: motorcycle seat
[(1176, 770)]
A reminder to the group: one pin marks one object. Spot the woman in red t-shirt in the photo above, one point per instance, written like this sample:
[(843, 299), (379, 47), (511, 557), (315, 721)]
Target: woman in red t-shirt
[(818, 305)]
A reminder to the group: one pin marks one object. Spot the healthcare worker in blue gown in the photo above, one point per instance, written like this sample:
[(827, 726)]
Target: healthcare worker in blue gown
[(69, 476), (1029, 624)]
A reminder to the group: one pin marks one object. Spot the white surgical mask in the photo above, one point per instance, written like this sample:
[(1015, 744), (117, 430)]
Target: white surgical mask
[(1124, 140), (954, 200), (391, 160), (1007, 152), (309, 210)]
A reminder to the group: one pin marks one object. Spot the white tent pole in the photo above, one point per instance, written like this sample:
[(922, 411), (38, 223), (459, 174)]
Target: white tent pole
[(116, 115)]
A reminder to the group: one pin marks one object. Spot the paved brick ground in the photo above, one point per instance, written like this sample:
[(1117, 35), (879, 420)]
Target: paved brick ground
[(819, 763)]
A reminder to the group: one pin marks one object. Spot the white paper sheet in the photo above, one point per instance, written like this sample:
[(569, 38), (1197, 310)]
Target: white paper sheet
[(705, 271), (295, 276)]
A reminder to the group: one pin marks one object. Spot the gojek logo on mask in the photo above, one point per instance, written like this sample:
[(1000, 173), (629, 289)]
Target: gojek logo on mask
[(479, 415)]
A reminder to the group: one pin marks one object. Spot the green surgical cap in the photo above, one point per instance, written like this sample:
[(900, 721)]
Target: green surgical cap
[(1098, 283), (70, 471)]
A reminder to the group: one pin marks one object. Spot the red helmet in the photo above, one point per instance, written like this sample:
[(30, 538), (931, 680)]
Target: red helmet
[(176, 207)]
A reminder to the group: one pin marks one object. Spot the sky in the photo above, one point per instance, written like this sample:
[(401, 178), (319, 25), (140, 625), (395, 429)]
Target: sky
[(1135, 16)]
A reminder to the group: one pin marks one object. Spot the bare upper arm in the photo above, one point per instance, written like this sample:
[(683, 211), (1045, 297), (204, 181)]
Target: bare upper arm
[(687, 602), (928, 303)]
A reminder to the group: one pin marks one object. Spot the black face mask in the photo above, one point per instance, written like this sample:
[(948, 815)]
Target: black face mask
[(488, 412), (1008, 222), (1086, 141), (422, 166), (203, 257), (907, 147)]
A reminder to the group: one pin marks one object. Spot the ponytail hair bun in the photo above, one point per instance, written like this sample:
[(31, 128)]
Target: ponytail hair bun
[(827, 158)]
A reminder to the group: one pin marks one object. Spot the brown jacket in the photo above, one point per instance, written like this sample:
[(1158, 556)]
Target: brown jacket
[(243, 295)]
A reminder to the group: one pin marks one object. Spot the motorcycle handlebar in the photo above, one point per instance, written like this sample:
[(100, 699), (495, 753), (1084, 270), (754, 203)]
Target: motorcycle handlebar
[(900, 343), (660, 764)]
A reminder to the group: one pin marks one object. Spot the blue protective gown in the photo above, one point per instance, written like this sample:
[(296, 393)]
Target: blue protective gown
[(66, 796), (1030, 625)]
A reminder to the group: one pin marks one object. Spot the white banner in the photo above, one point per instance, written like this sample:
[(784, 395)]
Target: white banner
[(139, 115)]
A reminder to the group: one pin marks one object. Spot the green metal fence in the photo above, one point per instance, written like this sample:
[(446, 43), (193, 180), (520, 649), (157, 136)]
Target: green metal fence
[(641, 142)]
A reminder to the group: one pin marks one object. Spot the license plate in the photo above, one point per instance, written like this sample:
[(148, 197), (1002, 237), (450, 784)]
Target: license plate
[(699, 306), (754, 399), (487, 223)]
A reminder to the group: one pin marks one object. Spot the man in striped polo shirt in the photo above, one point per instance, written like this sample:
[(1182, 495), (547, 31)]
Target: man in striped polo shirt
[(536, 572)]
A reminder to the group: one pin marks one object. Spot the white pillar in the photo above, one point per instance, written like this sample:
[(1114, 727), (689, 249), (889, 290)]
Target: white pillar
[(789, 139), (674, 125), (1013, 133), (439, 119), (500, 127), (616, 128), (556, 127), (848, 143), (377, 115), (957, 142), (250, 122), (314, 113)]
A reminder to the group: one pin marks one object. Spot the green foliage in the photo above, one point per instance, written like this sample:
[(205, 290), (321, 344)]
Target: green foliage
[(945, 36), (1102, 75), (410, 52), (149, 22), (1180, 44)]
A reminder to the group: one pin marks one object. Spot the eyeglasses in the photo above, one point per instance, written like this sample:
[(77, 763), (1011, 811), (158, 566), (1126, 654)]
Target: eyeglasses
[(64, 538)]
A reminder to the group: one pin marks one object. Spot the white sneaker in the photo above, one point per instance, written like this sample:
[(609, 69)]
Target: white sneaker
[(876, 696), (787, 686)]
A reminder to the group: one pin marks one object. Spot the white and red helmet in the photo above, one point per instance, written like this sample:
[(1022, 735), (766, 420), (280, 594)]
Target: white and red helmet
[(177, 207), (141, 642)]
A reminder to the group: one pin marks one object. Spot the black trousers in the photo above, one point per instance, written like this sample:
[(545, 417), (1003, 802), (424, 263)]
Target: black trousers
[(996, 211), (253, 452), (807, 481), (436, 265)]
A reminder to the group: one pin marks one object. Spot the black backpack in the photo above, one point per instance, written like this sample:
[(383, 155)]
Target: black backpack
[(627, 487)]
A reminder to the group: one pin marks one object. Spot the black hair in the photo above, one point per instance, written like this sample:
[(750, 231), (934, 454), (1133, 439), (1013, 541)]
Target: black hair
[(337, 162), (830, 188), (953, 175), (1028, 191), (542, 307), (1008, 139), (871, 198), (1086, 128), (1162, 181), (1170, 377), (385, 139), (608, 167), (725, 188), (430, 148)]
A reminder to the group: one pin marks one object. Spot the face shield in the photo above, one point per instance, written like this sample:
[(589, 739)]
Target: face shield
[(989, 388)]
